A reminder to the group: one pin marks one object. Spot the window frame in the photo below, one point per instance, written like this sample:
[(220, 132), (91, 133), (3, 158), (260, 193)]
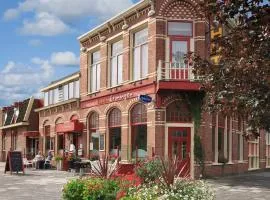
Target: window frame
[(91, 64), (181, 21), (140, 46), (111, 63)]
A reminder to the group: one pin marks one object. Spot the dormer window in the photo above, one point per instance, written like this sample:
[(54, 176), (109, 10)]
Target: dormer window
[(15, 115), (5, 118)]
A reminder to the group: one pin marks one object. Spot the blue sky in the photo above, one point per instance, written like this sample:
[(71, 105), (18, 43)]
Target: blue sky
[(38, 41)]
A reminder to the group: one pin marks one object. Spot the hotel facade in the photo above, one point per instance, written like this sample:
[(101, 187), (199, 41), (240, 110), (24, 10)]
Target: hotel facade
[(136, 96)]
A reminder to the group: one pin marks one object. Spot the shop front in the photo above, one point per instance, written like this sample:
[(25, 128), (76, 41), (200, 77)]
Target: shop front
[(32, 144), (69, 138)]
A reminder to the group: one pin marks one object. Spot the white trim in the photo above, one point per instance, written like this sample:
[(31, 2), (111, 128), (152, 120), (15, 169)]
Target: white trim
[(111, 20), (56, 84), (230, 142), (29, 108), (187, 125)]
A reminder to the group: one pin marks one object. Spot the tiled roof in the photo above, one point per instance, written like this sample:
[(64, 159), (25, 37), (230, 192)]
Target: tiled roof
[(22, 111)]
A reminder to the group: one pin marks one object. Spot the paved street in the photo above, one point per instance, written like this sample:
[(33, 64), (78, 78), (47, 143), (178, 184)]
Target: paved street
[(41, 185), (252, 186), (47, 185)]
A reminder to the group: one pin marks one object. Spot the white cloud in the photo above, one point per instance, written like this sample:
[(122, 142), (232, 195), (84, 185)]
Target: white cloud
[(59, 13), (21, 81), (64, 58), (44, 24), (34, 42), (11, 14), (8, 67)]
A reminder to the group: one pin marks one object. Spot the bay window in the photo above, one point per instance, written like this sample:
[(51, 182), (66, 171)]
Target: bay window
[(95, 72), (116, 63), (62, 93), (46, 98), (71, 90), (140, 54), (77, 89)]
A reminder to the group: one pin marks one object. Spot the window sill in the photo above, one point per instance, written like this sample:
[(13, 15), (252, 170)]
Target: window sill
[(139, 80), (217, 164), (252, 169), (93, 93), (115, 87)]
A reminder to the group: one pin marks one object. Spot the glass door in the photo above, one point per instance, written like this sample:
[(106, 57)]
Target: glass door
[(179, 68), (179, 147)]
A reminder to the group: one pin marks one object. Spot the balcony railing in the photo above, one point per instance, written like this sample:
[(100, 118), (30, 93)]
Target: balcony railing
[(180, 71)]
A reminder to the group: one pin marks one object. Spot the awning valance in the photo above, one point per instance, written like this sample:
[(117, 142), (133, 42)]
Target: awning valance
[(71, 126)]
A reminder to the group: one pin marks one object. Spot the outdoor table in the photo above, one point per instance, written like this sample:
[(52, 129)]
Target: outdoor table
[(80, 166)]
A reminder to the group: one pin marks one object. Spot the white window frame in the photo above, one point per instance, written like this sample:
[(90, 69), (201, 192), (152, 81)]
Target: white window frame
[(267, 141), (140, 46), (254, 155), (119, 61), (46, 98), (96, 65)]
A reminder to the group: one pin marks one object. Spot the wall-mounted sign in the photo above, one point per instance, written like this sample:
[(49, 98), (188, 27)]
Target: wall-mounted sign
[(145, 98)]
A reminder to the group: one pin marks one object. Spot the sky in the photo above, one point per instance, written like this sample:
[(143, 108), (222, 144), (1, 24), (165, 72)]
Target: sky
[(38, 41)]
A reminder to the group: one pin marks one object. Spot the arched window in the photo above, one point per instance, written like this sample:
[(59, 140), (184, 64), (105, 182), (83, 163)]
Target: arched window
[(114, 125), (138, 119), (138, 114), (178, 111), (114, 118), (93, 123), (74, 118)]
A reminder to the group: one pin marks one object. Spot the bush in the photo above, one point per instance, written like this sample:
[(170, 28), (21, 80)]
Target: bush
[(100, 189), (149, 172), (91, 189), (182, 189), (74, 190)]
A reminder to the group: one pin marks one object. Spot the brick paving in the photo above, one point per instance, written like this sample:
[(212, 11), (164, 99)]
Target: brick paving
[(35, 184), (47, 185), (250, 186)]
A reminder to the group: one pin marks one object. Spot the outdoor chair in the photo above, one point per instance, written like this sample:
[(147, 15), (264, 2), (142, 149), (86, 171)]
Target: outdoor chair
[(27, 163)]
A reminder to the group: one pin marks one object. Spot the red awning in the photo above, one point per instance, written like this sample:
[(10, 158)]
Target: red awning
[(71, 126), (31, 134)]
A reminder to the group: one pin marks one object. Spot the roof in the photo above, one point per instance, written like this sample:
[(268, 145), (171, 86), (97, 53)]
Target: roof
[(25, 107), (115, 18), (61, 81)]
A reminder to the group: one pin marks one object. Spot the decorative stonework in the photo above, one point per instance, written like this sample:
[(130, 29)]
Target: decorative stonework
[(179, 9)]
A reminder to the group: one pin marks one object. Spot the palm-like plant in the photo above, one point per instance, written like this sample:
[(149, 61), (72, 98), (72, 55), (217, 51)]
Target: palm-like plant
[(170, 171), (103, 168)]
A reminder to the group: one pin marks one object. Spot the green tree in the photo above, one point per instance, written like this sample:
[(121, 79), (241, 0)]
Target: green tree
[(240, 82)]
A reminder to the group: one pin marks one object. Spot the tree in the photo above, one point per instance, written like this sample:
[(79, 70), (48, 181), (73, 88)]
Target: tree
[(240, 82)]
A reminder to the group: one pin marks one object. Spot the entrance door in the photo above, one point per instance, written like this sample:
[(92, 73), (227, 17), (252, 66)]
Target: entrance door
[(179, 147), (179, 69)]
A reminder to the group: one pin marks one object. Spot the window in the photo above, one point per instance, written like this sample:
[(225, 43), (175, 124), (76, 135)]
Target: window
[(93, 126), (116, 63), (139, 131), (253, 154), (51, 97), (77, 89), (3, 141), (95, 72), (114, 126), (267, 139), (140, 54), (60, 142), (46, 98), (180, 29), (71, 90), (66, 92), (56, 95)]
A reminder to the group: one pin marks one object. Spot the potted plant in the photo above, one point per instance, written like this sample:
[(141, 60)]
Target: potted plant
[(59, 162)]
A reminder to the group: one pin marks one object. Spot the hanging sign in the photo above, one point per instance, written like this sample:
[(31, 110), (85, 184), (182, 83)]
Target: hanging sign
[(145, 98)]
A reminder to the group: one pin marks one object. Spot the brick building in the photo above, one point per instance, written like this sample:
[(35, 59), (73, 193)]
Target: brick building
[(60, 124), (139, 52), (19, 128)]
